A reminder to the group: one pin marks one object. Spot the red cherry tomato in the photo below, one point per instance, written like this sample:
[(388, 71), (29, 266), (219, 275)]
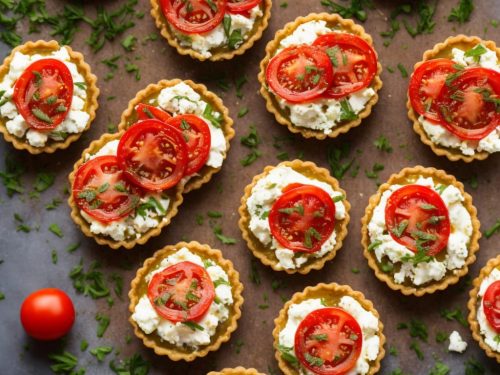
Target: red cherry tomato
[(147, 112), (303, 218), (182, 292), (43, 94), (354, 63), (491, 305), (47, 314), (328, 341), (241, 6), (194, 16), (299, 73), (417, 218), (153, 155), (426, 83), (467, 107)]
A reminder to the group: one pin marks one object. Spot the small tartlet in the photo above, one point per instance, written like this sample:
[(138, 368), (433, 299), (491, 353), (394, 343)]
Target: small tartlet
[(473, 305), (451, 277), (41, 46), (441, 50), (236, 371), (332, 291), (264, 253), (273, 106), (224, 54), (222, 334), (129, 117)]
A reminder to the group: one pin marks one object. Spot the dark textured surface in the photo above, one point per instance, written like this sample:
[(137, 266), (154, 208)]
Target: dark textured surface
[(27, 256)]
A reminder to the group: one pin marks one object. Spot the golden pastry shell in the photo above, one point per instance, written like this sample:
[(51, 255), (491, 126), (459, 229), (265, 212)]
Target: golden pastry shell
[(236, 371)]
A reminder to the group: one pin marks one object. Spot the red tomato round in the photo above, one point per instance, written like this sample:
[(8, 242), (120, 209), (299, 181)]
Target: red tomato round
[(194, 16), (491, 305), (467, 106), (241, 6), (102, 191), (43, 94), (417, 218), (303, 218), (147, 112), (196, 133), (426, 83), (354, 63), (299, 73), (182, 292), (153, 155), (328, 341), (47, 314)]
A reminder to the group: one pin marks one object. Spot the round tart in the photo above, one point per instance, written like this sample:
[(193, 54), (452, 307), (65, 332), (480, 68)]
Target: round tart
[(227, 28), (48, 97), (308, 338), (420, 231), (451, 98), (185, 301), (484, 307), (320, 76), (236, 371), (294, 217), (175, 102)]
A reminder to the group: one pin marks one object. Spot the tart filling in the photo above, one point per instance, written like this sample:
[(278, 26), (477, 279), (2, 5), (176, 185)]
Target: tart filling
[(490, 334)]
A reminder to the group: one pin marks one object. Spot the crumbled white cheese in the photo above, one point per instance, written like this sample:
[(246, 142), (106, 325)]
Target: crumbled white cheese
[(456, 343), (306, 33), (17, 126), (488, 60), (490, 336)]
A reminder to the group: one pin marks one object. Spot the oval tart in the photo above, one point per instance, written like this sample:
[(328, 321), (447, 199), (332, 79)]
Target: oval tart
[(236, 371)]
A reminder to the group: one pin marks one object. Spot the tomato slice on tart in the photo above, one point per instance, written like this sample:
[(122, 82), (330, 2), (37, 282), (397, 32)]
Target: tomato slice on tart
[(182, 292), (417, 217), (148, 112), (354, 63), (328, 341), (303, 218), (426, 83), (101, 190), (194, 16), (241, 6), (196, 133), (491, 305), (468, 106), (43, 94), (153, 155), (299, 73)]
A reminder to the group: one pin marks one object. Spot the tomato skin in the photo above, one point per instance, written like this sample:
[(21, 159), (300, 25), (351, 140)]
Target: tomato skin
[(241, 6), (47, 314), (147, 112), (491, 305), (196, 18)]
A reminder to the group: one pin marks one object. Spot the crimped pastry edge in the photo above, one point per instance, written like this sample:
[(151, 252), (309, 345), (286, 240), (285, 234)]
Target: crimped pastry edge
[(206, 173), (177, 199), (472, 305), (237, 288), (450, 279), (451, 153), (271, 48), (160, 22), (92, 95), (236, 371), (345, 290), (255, 246)]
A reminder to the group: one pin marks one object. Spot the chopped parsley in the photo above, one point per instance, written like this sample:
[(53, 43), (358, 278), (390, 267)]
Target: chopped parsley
[(90, 283), (54, 228), (462, 12), (254, 273), (441, 337), (346, 111), (242, 112), (100, 352), (335, 157), (194, 326), (212, 116), (440, 369), (287, 354), (373, 174), (414, 345), (383, 144), (63, 363), (476, 52), (103, 324), (129, 43), (456, 315), (402, 70), (84, 345), (473, 367), (495, 228), (252, 141), (221, 237), (374, 245), (135, 365), (54, 256), (355, 10)]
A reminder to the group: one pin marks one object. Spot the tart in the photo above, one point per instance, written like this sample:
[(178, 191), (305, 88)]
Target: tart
[(451, 98), (290, 194), (484, 298), (185, 301), (236, 371), (307, 76), (312, 317), (48, 97), (183, 99), (420, 231), (228, 27)]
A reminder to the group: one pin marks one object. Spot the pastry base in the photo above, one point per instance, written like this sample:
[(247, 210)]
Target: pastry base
[(236, 371)]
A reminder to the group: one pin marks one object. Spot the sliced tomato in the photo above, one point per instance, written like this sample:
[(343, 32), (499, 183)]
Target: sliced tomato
[(328, 341), (299, 73), (241, 6), (102, 191), (426, 83), (468, 106), (491, 305), (354, 63), (417, 218), (196, 133), (43, 94), (147, 112), (182, 292), (194, 16), (153, 155), (303, 218)]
